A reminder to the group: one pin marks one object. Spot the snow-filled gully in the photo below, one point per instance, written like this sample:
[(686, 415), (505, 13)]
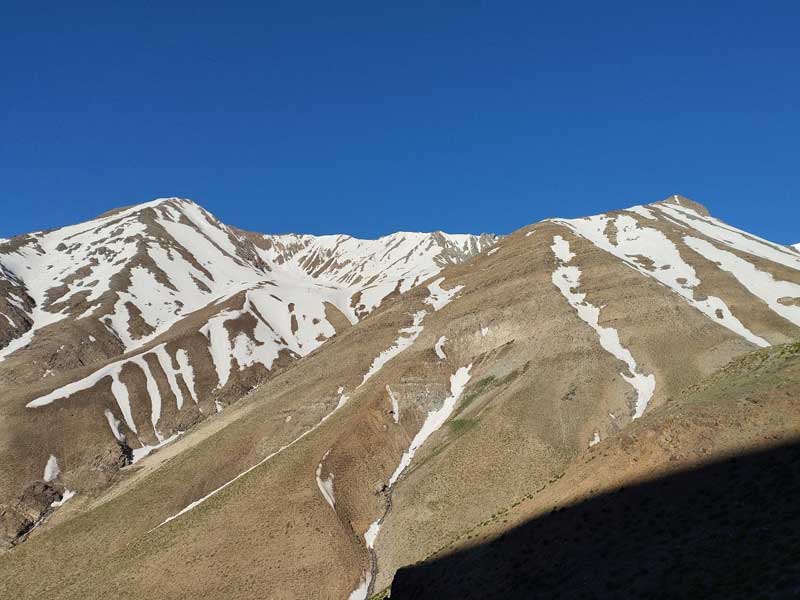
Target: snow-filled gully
[(433, 422), (567, 279), (438, 298)]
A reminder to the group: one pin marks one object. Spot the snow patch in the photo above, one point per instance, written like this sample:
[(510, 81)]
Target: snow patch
[(66, 496), (326, 485), (51, 470), (439, 298), (438, 348), (395, 404), (360, 593)]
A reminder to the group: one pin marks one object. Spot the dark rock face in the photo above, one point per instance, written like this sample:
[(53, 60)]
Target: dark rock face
[(33, 504)]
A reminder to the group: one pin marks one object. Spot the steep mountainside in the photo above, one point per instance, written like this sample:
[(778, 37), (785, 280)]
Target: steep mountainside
[(669, 508), (445, 405), (153, 317)]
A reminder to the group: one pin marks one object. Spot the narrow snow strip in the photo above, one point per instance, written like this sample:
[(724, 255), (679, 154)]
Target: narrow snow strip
[(492, 251), (200, 501), (220, 343), (395, 405), (439, 298), (434, 420), (372, 533), (326, 485), (408, 336), (76, 386), (438, 348), (51, 470), (343, 398), (152, 391), (140, 453), (165, 361), (114, 423), (120, 391), (186, 371), (566, 279), (759, 283)]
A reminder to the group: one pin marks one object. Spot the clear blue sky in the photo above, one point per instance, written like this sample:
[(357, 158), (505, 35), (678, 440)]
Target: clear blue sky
[(365, 118)]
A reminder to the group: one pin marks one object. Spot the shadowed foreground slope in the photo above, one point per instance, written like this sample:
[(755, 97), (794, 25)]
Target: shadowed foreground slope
[(730, 529), (696, 500)]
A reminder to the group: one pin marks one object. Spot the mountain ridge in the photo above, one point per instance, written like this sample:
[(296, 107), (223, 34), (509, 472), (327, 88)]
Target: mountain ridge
[(484, 381)]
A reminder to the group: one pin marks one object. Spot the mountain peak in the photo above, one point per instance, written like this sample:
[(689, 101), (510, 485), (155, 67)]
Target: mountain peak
[(678, 200)]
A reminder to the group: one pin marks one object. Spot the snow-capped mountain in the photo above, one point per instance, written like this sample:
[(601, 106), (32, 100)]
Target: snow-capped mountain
[(346, 408), (137, 271), (172, 314), (796, 247)]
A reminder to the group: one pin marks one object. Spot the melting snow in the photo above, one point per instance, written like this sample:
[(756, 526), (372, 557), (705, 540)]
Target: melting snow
[(51, 470), (595, 439), (66, 496), (566, 279), (360, 593), (395, 405), (326, 485), (407, 338), (439, 298), (145, 450), (434, 420), (438, 348), (759, 283)]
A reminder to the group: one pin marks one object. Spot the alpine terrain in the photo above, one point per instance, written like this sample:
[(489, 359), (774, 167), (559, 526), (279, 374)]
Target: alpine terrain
[(594, 407)]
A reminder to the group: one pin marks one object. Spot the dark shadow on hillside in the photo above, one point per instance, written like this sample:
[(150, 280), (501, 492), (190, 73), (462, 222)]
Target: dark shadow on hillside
[(727, 530)]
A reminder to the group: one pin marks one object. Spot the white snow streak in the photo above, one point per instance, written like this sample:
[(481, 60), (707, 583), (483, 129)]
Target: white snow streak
[(434, 420), (438, 348), (566, 279), (326, 485), (198, 502), (408, 336)]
